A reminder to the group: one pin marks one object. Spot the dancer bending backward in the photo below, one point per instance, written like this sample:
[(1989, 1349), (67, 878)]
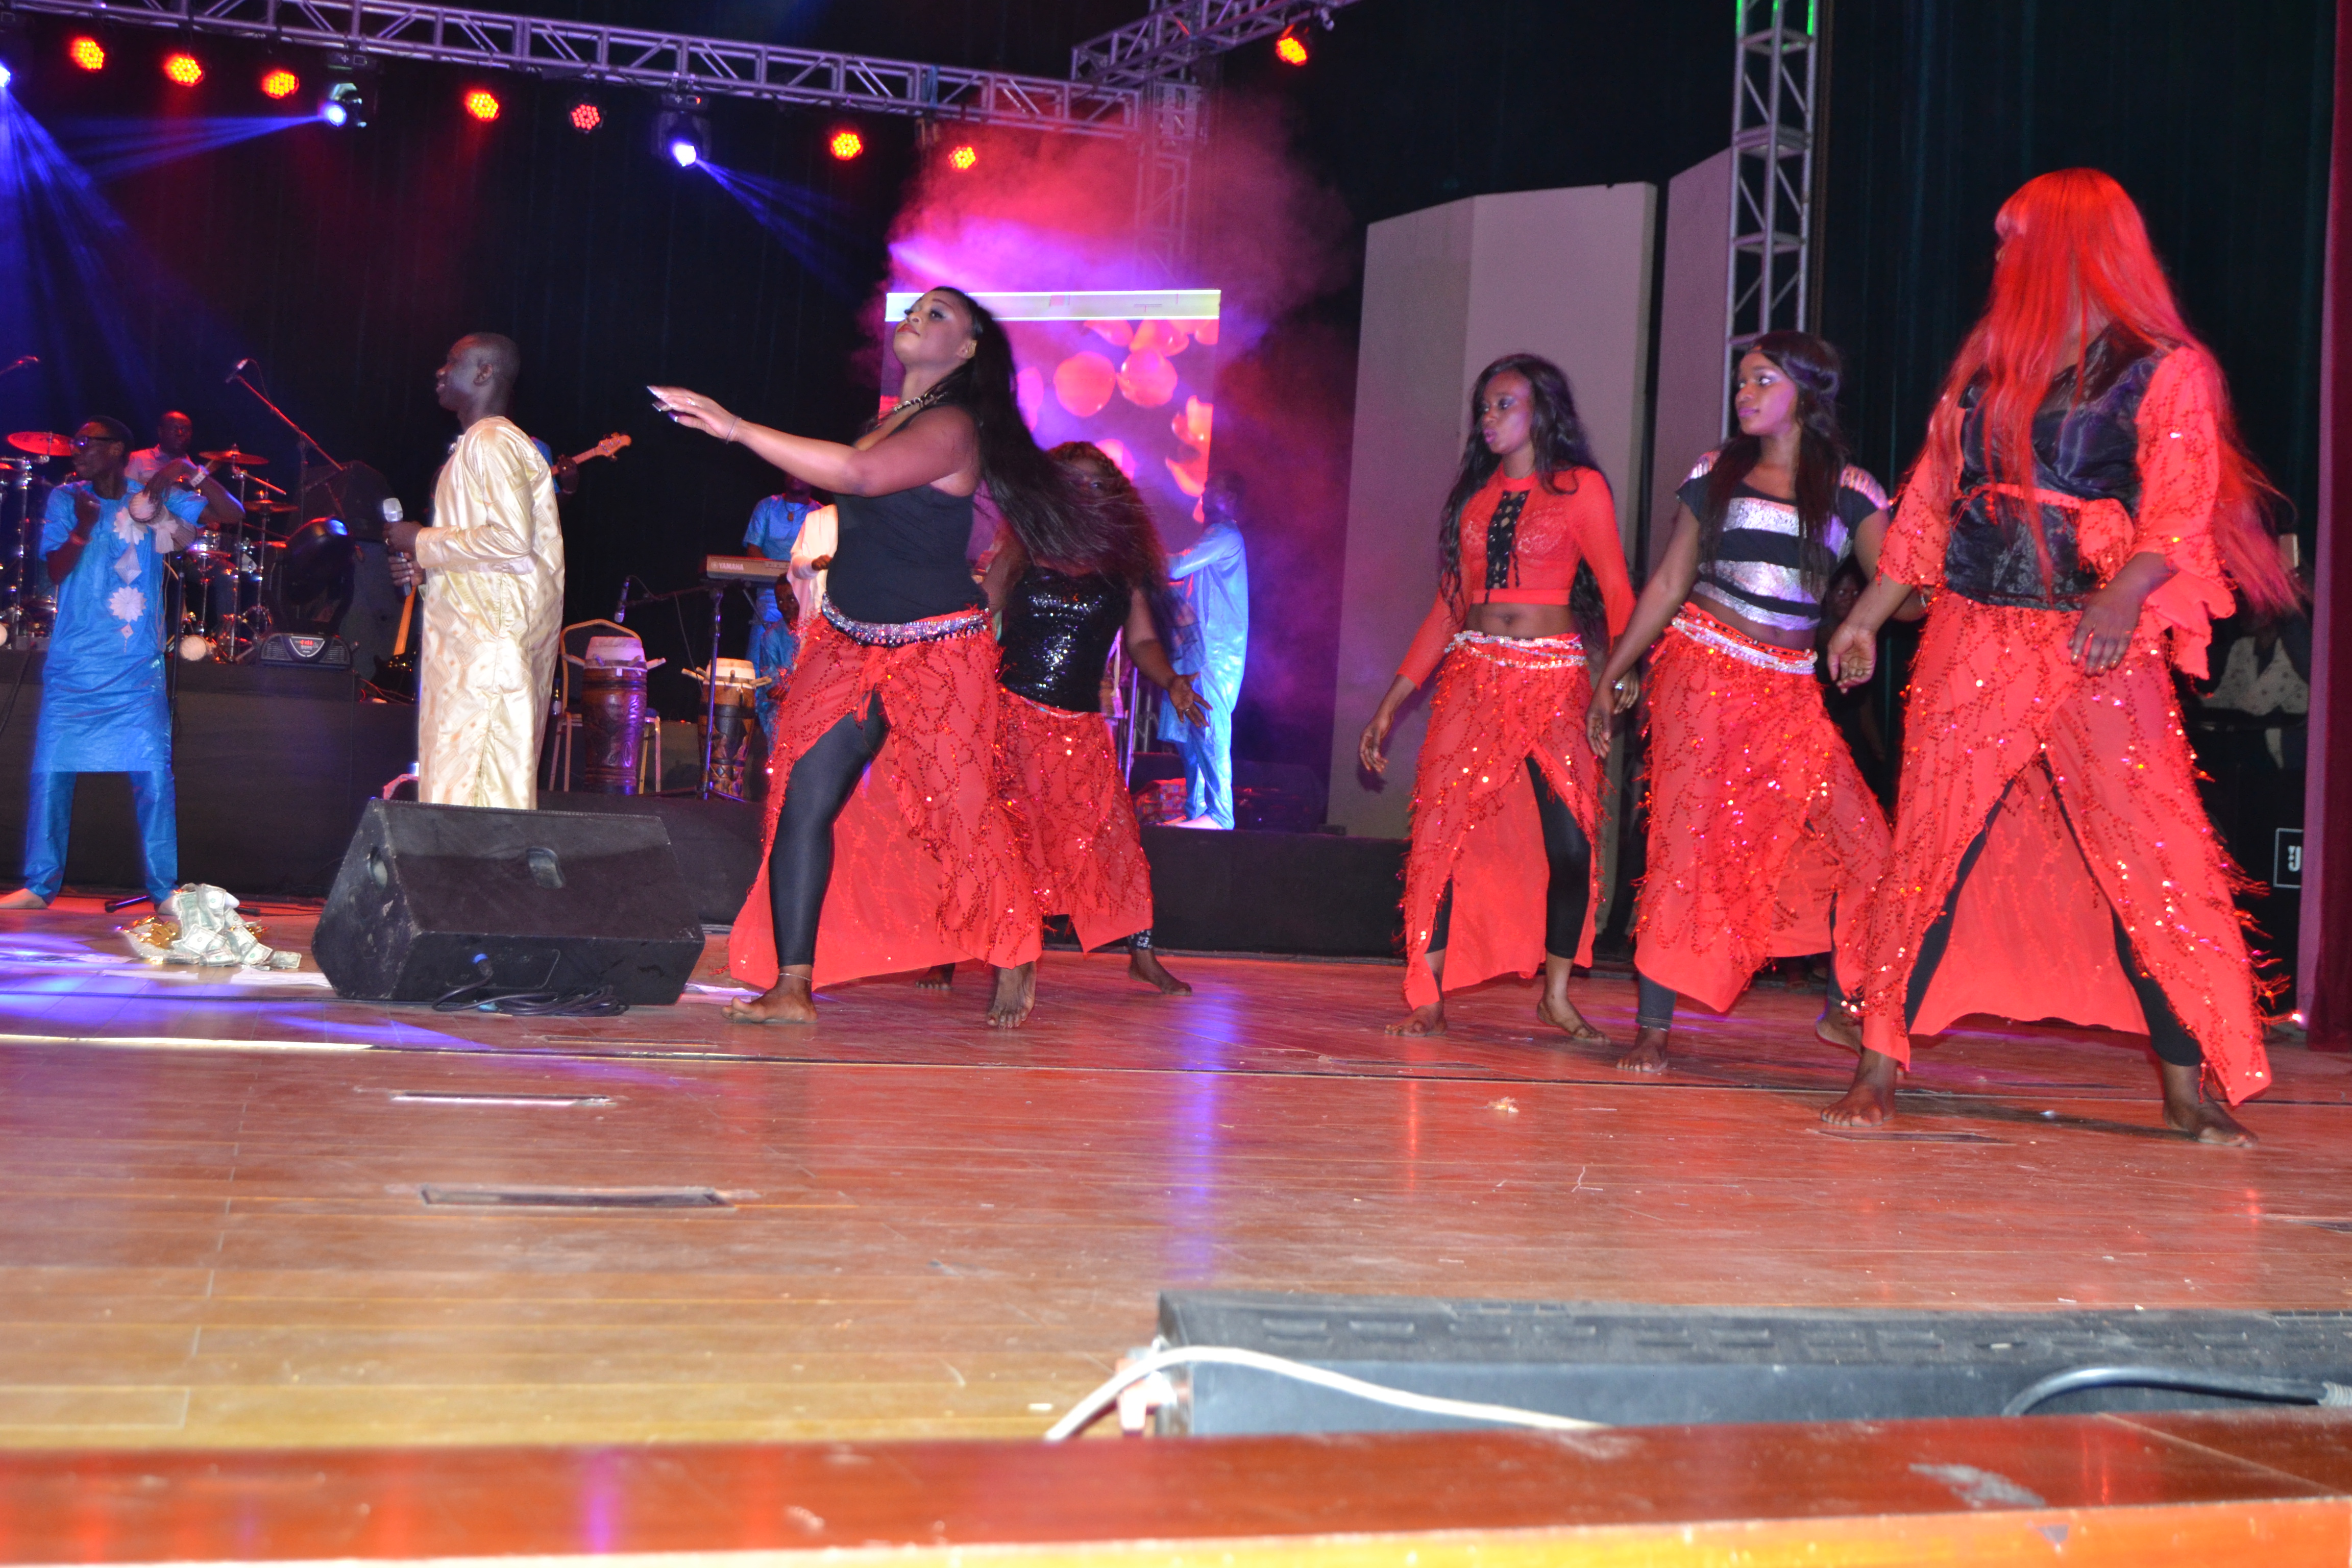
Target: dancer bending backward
[(1506, 801), (1058, 772), (1764, 840), (2079, 510), (899, 673)]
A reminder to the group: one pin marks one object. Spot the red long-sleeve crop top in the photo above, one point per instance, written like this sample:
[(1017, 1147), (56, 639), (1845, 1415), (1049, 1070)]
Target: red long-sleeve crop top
[(1529, 555)]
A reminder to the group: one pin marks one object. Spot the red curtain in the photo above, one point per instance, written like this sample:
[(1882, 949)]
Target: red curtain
[(2326, 967)]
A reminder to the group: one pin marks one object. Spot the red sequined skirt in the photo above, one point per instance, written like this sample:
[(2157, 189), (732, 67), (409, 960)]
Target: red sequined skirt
[(1762, 834), (2086, 793), (1058, 776), (927, 866), (1499, 701)]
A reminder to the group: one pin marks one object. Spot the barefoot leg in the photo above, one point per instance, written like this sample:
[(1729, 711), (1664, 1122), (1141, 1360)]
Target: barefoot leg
[(1429, 1020), (938, 977), (1016, 993), (1144, 965), (1649, 1052), (785, 1002), (1556, 1009), (2187, 1112), (24, 898), (1871, 1102), (1839, 1027)]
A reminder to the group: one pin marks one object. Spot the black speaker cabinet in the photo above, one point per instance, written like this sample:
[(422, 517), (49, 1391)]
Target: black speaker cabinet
[(554, 900)]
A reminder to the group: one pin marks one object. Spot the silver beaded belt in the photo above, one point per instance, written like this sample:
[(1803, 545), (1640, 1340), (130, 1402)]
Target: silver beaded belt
[(1563, 652), (1786, 661), (898, 633)]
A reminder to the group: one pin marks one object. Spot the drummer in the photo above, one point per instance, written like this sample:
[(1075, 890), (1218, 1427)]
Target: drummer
[(104, 708), (174, 433)]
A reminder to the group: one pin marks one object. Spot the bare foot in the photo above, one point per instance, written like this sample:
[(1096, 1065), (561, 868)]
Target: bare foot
[(1144, 965), (938, 977), (1839, 1027), (1561, 1015), (24, 898), (1649, 1052), (785, 1002), (1871, 1102), (1420, 1021), (1016, 993), (2187, 1112)]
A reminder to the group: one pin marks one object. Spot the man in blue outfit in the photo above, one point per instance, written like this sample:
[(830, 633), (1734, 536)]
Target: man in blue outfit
[(776, 525), (1214, 576), (104, 708)]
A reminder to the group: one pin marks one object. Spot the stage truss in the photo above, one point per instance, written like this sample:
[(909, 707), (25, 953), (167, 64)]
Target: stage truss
[(1768, 280)]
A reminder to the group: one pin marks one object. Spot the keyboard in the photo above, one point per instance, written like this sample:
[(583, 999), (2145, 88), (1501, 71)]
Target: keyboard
[(742, 569)]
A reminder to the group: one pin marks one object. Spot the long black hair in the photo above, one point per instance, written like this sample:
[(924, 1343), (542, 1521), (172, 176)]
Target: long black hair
[(1561, 449), (1054, 518), (1815, 368), (1139, 559)]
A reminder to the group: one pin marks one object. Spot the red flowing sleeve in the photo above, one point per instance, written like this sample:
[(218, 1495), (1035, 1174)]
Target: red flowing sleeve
[(2180, 486), (1438, 629), (1919, 525), (1603, 549)]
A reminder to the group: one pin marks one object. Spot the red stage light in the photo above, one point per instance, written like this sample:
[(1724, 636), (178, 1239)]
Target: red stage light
[(280, 83), (87, 53), (846, 144), (1291, 47), (183, 68), (482, 104), (965, 156), (586, 117)]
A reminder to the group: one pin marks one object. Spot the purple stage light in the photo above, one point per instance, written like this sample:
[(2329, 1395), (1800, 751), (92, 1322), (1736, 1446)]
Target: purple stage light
[(685, 154), (5, 76), (333, 113)]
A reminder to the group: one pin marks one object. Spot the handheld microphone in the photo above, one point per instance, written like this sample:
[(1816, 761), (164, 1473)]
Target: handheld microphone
[(234, 371), (621, 613)]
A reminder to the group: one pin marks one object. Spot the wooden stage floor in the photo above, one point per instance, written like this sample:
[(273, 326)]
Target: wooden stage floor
[(213, 1236)]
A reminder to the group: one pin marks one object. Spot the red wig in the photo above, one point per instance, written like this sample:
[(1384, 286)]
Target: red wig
[(2075, 257)]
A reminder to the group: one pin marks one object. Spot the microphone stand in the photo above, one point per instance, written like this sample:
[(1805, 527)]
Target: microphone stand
[(305, 444), (717, 591)]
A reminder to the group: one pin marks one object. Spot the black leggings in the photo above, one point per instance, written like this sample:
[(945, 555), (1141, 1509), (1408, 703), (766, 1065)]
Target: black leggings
[(2166, 1032), (800, 865), (1570, 859)]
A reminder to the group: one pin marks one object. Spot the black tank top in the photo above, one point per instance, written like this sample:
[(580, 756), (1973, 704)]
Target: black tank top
[(900, 556), (1057, 632)]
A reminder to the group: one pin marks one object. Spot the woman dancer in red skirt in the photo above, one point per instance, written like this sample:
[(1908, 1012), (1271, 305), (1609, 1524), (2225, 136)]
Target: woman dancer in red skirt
[(1764, 841), (1501, 877), (899, 676), (1057, 770), (2080, 511)]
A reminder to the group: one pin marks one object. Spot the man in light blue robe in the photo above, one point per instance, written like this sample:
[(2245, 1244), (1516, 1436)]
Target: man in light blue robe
[(103, 707), (776, 525), (1213, 577)]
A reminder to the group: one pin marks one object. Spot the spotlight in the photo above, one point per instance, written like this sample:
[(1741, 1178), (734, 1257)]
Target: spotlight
[(584, 114), (183, 67), (681, 134), (6, 76), (278, 82), (346, 102), (964, 156), (846, 144), (87, 53), (482, 104), (1291, 47)]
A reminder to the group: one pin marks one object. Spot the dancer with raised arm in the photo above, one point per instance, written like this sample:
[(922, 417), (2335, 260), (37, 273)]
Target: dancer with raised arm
[(1501, 877), (2079, 513), (1059, 773), (900, 674), (1764, 841)]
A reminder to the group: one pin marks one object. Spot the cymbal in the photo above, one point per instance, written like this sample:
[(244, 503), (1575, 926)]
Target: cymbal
[(234, 458), (42, 444), (268, 506)]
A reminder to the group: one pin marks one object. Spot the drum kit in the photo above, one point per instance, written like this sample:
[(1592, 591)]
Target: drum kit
[(234, 581)]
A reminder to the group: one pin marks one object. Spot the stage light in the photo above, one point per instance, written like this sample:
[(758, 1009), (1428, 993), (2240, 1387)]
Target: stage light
[(1291, 47), (482, 104), (964, 156), (584, 114), (6, 76), (183, 67), (87, 53), (346, 102), (681, 134), (279, 82), (846, 144)]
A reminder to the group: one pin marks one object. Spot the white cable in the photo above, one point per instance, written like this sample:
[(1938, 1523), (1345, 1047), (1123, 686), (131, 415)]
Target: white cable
[(1083, 1414)]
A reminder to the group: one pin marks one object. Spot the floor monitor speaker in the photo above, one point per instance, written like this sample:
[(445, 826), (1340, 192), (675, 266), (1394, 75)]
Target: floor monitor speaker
[(550, 901)]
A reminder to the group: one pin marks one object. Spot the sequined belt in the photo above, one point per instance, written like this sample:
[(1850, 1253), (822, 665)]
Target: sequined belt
[(1563, 652), (898, 633), (1747, 650)]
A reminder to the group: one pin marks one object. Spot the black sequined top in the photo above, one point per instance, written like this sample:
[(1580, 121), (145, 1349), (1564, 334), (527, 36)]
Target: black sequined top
[(1057, 632)]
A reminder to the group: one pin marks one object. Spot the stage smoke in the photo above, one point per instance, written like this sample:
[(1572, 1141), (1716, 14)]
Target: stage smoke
[(804, 221)]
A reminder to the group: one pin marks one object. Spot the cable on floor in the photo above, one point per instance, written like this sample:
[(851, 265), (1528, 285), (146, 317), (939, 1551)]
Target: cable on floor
[(2277, 1390)]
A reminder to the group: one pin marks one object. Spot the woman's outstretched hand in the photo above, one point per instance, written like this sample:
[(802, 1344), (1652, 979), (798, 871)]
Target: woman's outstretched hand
[(1187, 702), (1376, 736), (695, 411)]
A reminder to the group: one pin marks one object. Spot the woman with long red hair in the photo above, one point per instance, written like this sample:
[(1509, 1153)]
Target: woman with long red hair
[(2081, 511), (1501, 877)]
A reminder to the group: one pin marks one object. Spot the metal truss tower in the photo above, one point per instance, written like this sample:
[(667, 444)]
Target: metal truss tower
[(1768, 279)]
